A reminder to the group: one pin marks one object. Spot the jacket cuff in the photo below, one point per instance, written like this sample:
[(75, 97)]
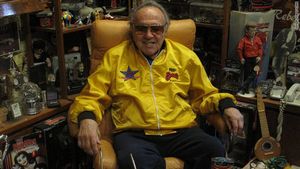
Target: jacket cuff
[(86, 115), (225, 103)]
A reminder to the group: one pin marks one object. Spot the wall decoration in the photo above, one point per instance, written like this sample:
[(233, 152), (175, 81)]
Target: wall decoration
[(9, 35)]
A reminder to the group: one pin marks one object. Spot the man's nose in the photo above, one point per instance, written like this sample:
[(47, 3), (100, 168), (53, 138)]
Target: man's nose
[(149, 32)]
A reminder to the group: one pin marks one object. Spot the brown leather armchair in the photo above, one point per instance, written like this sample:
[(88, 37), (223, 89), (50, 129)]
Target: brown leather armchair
[(108, 33)]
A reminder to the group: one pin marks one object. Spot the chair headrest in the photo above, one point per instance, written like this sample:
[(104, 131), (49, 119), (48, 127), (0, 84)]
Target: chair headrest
[(108, 33)]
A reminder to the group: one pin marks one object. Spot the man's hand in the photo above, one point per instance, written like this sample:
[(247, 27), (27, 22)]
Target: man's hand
[(257, 59), (234, 120), (243, 61), (89, 136)]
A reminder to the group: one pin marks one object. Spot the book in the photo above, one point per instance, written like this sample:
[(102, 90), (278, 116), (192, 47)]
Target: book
[(26, 152)]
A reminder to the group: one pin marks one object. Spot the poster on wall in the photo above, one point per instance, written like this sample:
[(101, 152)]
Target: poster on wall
[(284, 13), (9, 36), (264, 22), (287, 15)]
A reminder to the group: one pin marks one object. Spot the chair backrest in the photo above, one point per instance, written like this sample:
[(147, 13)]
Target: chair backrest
[(108, 33)]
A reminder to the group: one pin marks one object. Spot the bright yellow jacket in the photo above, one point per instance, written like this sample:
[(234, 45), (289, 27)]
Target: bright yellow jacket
[(162, 96)]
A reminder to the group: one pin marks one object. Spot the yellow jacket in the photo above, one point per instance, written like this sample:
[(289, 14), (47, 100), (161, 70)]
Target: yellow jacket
[(162, 96)]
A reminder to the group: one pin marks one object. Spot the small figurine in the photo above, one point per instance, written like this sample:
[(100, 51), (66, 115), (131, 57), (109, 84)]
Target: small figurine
[(40, 54), (67, 18), (51, 80), (85, 14), (79, 21), (42, 64), (99, 12), (249, 51), (78, 72)]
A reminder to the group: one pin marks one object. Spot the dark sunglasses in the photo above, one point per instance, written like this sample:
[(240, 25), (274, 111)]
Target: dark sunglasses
[(155, 29)]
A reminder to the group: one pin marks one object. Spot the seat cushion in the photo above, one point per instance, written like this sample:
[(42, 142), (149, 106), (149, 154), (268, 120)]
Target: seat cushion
[(106, 158)]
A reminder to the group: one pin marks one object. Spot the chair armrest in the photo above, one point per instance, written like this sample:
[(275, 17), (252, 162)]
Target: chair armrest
[(106, 158), (174, 163), (218, 122)]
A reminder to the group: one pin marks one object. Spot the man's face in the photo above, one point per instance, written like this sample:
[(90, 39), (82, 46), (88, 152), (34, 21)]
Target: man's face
[(148, 30), (251, 32)]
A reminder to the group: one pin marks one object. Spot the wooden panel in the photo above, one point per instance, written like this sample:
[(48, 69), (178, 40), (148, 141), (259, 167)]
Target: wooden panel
[(291, 138), (17, 7)]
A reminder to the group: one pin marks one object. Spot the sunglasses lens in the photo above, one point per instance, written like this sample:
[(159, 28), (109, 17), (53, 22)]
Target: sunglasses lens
[(142, 29), (157, 29)]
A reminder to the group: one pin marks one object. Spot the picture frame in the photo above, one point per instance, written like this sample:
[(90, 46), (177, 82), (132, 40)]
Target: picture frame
[(16, 110), (9, 35)]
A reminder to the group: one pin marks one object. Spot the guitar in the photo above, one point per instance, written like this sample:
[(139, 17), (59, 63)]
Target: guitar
[(266, 147)]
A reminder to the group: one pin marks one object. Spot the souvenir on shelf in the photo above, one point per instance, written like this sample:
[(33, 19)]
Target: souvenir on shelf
[(284, 46), (246, 26), (207, 12), (14, 81)]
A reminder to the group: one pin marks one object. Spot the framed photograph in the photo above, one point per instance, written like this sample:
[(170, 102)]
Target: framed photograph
[(9, 35), (16, 110)]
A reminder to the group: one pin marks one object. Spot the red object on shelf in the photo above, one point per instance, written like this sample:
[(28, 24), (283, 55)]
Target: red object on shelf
[(113, 3)]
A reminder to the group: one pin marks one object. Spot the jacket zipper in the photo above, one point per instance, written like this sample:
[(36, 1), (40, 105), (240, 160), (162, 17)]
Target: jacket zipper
[(154, 98), (153, 94)]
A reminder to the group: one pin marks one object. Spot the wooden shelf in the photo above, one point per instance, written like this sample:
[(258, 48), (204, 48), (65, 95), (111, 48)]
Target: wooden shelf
[(269, 103), (17, 7), (11, 127), (208, 25), (75, 28)]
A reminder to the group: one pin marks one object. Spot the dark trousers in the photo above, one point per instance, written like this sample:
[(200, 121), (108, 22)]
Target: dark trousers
[(193, 146), (249, 73)]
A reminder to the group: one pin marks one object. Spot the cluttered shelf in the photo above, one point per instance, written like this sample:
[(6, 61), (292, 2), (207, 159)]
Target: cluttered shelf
[(274, 104), (17, 7), (65, 30), (11, 127)]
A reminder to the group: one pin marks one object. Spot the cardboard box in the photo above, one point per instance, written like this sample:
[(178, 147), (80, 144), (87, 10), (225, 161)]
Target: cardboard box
[(26, 152), (60, 147)]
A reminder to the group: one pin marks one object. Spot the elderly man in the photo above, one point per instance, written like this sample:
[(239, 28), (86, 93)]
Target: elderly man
[(154, 87)]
